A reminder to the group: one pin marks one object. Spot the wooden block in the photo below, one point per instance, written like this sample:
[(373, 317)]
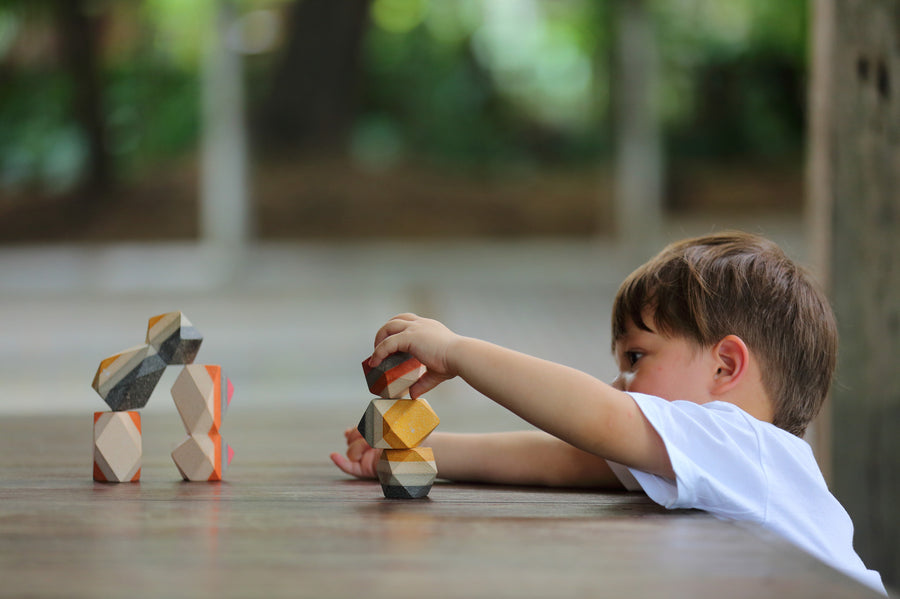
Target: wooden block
[(397, 423), (202, 394), (126, 380), (117, 447), (406, 473), (394, 376), (202, 457), (174, 338)]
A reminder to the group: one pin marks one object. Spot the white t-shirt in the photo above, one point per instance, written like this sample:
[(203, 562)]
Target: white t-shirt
[(736, 467)]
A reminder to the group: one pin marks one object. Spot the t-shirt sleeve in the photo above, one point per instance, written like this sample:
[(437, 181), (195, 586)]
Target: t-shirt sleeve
[(623, 473), (715, 455)]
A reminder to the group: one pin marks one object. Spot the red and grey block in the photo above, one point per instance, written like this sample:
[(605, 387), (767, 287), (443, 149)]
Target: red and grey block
[(394, 376)]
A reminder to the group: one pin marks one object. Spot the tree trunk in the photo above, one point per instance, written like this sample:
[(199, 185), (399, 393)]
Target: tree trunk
[(313, 93), (79, 45), (857, 104)]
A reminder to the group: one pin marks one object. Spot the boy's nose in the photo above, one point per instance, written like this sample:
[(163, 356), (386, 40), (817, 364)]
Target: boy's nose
[(619, 383)]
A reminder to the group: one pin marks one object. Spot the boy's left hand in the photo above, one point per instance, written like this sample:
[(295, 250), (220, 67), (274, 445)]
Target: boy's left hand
[(360, 460)]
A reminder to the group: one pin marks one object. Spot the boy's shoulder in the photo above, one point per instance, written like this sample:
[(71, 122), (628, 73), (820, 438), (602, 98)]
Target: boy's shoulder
[(722, 435)]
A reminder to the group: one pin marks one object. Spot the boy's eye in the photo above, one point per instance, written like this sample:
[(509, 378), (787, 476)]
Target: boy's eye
[(633, 357)]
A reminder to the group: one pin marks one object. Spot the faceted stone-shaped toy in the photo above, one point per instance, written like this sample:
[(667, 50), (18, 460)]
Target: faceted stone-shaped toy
[(126, 380), (394, 376), (202, 394), (117, 447), (174, 338), (406, 473), (202, 457), (397, 423)]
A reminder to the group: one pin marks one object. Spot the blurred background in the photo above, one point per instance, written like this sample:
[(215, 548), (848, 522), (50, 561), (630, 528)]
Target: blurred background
[(392, 118), (291, 173)]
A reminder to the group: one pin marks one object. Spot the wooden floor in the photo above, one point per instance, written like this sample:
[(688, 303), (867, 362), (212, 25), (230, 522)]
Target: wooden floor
[(285, 523)]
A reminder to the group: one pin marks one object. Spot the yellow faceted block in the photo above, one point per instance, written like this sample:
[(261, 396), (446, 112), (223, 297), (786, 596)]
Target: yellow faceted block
[(397, 423)]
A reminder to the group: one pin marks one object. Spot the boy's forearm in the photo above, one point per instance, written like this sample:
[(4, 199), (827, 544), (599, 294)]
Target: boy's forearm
[(518, 458), (562, 401)]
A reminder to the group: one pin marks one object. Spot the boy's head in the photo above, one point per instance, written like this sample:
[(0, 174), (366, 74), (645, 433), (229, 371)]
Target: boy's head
[(733, 283)]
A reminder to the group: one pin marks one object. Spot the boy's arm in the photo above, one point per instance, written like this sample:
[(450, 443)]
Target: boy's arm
[(519, 458), (568, 404), (512, 458)]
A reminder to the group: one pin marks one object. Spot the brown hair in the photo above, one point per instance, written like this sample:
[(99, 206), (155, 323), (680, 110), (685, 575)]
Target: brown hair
[(734, 283)]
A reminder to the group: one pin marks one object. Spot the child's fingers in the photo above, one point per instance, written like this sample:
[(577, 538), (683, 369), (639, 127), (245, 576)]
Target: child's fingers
[(389, 345), (426, 383), (352, 434), (395, 325), (357, 449), (351, 468)]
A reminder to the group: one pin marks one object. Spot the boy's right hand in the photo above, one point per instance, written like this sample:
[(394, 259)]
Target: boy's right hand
[(361, 459), (427, 340)]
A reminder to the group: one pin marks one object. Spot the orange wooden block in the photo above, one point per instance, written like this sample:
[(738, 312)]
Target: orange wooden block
[(202, 394), (117, 447), (202, 457)]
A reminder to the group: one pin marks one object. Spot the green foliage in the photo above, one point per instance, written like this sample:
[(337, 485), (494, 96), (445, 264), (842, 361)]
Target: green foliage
[(38, 142), (473, 83)]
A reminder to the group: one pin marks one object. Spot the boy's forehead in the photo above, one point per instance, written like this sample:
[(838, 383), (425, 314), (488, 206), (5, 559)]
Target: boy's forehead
[(631, 328)]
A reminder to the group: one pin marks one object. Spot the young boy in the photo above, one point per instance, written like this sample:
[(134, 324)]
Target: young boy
[(726, 351)]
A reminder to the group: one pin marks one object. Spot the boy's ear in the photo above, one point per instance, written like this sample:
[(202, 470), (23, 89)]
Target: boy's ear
[(731, 357)]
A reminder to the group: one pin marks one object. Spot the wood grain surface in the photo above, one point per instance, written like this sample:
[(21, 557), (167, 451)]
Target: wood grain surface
[(286, 523)]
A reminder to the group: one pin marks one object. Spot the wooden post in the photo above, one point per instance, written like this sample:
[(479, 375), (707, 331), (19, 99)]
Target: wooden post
[(639, 156), (819, 203), (224, 206), (860, 177)]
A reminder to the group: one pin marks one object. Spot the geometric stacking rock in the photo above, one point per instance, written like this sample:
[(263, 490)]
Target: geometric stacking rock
[(126, 380), (202, 394), (397, 423), (202, 457), (394, 376), (406, 473), (174, 337), (117, 446)]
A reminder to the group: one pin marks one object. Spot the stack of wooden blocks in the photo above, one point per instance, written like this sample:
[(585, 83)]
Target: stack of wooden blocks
[(126, 381), (397, 426)]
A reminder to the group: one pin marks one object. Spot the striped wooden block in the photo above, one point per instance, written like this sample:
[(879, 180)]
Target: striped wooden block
[(174, 338), (394, 376), (203, 457), (117, 447), (406, 473), (397, 423), (202, 394), (126, 380)]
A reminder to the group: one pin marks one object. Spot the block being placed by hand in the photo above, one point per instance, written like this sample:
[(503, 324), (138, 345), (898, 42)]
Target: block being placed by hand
[(406, 473), (394, 376), (202, 394), (117, 447), (174, 338), (126, 380), (202, 457), (397, 423)]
